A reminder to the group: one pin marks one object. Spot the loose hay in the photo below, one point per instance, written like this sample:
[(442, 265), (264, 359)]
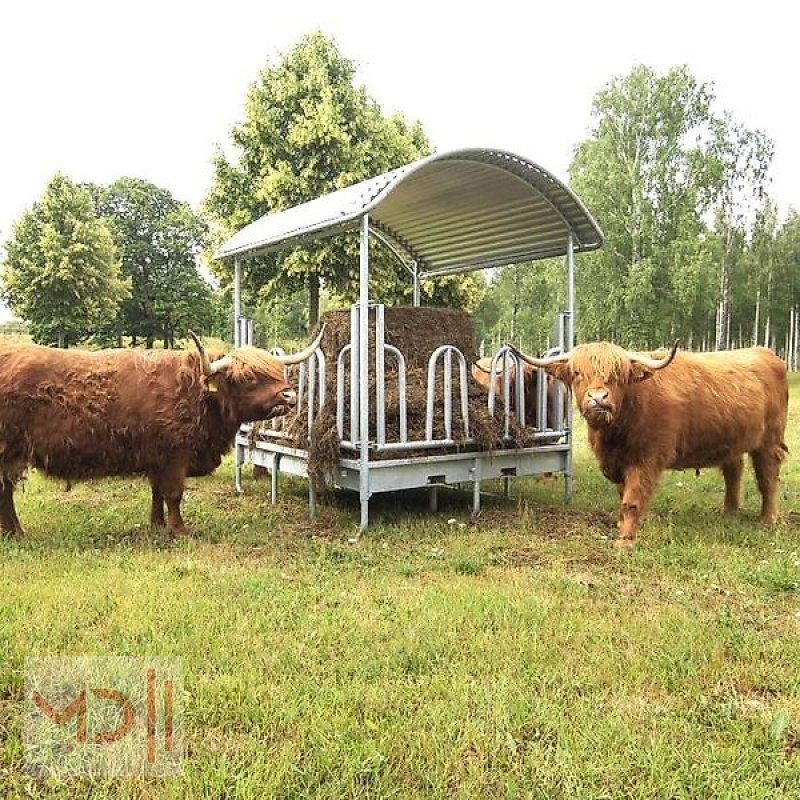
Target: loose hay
[(416, 332)]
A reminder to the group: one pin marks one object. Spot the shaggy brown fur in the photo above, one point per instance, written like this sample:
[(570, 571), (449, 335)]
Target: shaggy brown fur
[(702, 410), (76, 414)]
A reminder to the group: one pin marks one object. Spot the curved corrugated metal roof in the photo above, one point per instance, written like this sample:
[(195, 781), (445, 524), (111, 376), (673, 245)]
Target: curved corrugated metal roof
[(450, 212)]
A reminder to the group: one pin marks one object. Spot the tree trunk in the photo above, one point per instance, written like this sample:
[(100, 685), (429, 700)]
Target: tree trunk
[(61, 344), (134, 340), (313, 301), (515, 305), (149, 343), (758, 310), (724, 318)]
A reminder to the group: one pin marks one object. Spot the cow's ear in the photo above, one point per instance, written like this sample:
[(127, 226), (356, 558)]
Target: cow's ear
[(640, 373)]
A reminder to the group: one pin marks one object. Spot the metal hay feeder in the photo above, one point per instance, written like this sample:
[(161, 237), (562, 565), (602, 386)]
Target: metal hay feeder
[(446, 214)]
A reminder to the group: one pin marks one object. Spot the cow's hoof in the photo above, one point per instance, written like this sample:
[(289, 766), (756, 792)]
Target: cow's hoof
[(768, 519), (624, 543), (179, 533)]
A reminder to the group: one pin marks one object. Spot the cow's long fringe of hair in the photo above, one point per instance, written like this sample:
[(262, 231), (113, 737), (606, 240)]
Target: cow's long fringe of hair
[(608, 361), (249, 363)]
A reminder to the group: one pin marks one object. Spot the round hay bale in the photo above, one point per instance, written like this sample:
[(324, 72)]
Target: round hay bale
[(415, 332)]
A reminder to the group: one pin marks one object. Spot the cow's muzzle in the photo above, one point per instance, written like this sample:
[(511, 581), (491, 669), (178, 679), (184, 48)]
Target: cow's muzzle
[(286, 402), (597, 413)]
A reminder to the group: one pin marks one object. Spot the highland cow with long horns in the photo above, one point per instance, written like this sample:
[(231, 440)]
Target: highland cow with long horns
[(680, 411), (164, 414)]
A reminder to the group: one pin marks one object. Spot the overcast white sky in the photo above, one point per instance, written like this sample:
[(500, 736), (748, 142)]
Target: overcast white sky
[(104, 89)]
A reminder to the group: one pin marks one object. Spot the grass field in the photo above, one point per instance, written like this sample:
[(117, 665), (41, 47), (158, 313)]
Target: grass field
[(517, 655)]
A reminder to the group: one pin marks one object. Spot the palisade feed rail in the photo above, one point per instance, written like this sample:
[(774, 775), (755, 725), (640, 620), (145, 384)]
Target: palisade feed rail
[(446, 214)]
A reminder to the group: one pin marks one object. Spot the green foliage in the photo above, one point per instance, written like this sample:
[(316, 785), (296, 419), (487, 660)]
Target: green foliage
[(158, 239), (61, 271), (309, 130), (645, 175), (521, 304)]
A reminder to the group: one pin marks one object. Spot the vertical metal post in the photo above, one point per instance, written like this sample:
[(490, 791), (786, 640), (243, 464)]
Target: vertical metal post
[(237, 472), (415, 268), (570, 294), (363, 370), (237, 312), (380, 376), (355, 374), (237, 301), (570, 343), (276, 466), (313, 506)]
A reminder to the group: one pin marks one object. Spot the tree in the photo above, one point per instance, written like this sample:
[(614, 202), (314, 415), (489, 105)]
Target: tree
[(644, 174), (307, 130), (521, 305), (739, 162), (61, 272), (785, 297), (158, 239)]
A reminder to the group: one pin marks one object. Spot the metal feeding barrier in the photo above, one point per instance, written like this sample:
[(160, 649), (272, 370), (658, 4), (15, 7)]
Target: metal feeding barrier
[(399, 459), (446, 214)]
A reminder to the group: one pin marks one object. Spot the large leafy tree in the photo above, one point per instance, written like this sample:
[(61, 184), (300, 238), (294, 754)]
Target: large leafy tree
[(521, 306), (308, 130), (660, 164), (644, 173), (61, 271), (158, 239)]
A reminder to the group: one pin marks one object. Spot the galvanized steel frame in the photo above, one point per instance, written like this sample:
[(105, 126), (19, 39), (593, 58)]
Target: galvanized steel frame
[(553, 454)]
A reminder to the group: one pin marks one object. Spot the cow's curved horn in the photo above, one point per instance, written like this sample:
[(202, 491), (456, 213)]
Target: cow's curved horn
[(221, 364), (655, 363), (205, 363), (297, 358), (540, 362), (209, 367), (480, 366)]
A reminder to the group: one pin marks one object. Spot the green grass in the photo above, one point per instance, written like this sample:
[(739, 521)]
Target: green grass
[(517, 655)]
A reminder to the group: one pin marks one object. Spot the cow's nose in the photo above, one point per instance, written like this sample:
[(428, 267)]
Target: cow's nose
[(289, 397), (597, 396)]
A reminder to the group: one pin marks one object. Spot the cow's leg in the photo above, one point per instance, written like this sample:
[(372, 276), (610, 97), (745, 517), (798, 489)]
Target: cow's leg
[(157, 507), (767, 465), (8, 514), (637, 489), (732, 472), (169, 484), (620, 492)]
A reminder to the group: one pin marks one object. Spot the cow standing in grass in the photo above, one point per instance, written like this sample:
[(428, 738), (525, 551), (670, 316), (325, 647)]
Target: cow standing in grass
[(164, 414), (684, 410)]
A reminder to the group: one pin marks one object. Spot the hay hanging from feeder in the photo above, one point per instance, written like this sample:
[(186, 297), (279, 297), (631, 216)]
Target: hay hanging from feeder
[(416, 333)]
